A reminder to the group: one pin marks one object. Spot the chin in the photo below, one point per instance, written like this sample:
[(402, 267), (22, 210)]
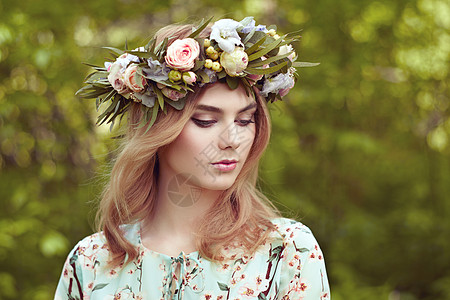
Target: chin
[(220, 183)]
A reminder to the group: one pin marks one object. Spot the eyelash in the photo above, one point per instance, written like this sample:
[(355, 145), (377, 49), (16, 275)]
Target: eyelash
[(208, 123)]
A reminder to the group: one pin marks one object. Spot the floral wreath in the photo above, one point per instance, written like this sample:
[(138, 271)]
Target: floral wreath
[(156, 75)]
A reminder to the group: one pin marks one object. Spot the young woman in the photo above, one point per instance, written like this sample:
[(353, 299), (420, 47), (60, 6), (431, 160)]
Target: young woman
[(181, 217)]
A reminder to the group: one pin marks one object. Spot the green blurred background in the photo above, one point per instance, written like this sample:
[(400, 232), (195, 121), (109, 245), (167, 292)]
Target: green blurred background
[(360, 148)]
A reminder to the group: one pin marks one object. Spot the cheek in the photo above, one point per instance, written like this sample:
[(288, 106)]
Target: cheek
[(249, 139), (191, 142)]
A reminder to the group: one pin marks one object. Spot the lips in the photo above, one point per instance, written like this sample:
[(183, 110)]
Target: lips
[(225, 165), (226, 162)]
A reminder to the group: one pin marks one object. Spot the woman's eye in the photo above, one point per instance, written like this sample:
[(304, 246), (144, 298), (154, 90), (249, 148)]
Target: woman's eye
[(245, 122), (203, 123)]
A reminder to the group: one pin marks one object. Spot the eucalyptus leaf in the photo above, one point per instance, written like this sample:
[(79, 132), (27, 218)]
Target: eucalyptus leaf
[(267, 49), (115, 50), (261, 62), (255, 47), (301, 64), (153, 119), (261, 71), (249, 36), (200, 29)]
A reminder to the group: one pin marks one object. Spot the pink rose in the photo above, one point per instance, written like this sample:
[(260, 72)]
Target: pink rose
[(116, 79), (133, 80), (172, 94), (181, 54)]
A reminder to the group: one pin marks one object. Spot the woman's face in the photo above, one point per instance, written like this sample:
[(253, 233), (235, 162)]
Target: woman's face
[(214, 144)]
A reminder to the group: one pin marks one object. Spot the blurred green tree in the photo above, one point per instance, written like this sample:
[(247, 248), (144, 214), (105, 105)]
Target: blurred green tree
[(360, 149)]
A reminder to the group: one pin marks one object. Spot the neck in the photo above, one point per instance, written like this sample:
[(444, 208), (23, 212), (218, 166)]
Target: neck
[(179, 207)]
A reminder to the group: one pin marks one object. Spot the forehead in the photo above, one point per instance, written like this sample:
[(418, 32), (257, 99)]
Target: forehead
[(221, 96)]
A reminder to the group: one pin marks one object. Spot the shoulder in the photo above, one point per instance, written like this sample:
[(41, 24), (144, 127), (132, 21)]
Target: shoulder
[(93, 250), (303, 272), (294, 233)]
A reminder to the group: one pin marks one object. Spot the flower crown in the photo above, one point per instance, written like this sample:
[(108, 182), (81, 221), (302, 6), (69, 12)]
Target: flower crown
[(161, 75)]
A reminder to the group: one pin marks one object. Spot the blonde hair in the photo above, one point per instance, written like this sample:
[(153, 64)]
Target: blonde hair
[(241, 215)]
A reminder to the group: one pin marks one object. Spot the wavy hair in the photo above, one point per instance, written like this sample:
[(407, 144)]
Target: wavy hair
[(241, 215)]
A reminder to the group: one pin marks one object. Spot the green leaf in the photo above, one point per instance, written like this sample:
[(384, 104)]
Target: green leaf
[(198, 65), (301, 64), (265, 71), (255, 47), (153, 119), (267, 49), (159, 50), (144, 55), (204, 77), (233, 82), (178, 105), (98, 68), (150, 47), (261, 296), (221, 74), (160, 96), (97, 75), (246, 21), (200, 29), (249, 36), (115, 50), (223, 286), (268, 61)]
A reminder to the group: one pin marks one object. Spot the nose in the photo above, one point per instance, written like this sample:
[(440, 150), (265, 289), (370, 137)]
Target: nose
[(229, 137)]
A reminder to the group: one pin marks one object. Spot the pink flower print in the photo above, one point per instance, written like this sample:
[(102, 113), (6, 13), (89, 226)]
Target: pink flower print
[(247, 292), (299, 286), (312, 255), (117, 296), (261, 283), (112, 273)]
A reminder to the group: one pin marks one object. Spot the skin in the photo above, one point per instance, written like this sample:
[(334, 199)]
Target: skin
[(221, 127)]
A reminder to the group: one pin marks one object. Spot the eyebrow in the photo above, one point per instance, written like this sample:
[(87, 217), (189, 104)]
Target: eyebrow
[(219, 110)]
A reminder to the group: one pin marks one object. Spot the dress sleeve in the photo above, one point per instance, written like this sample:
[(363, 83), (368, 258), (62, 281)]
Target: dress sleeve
[(70, 285), (303, 273)]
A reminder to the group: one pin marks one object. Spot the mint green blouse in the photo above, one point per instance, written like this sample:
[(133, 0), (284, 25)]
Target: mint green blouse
[(290, 266)]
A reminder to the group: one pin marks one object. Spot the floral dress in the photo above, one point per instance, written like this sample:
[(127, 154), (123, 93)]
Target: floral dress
[(289, 266)]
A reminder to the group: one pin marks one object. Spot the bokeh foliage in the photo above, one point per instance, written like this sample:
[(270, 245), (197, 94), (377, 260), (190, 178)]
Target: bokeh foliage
[(359, 152)]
